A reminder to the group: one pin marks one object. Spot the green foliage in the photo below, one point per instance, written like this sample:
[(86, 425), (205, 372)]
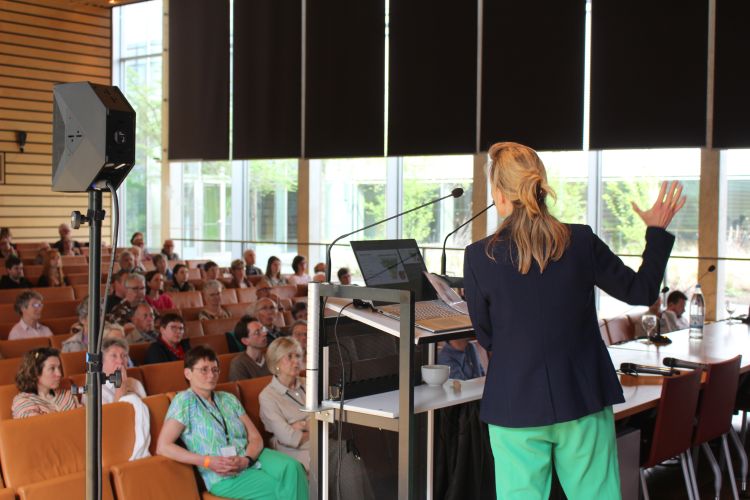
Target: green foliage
[(571, 201), (421, 224), (621, 225)]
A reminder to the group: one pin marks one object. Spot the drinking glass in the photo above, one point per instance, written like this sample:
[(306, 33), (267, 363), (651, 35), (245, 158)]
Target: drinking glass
[(649, 324), (730, 307)]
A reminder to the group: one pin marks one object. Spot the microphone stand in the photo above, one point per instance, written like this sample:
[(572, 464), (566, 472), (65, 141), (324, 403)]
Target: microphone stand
[(453, 194), (445, 241), (710, 269)]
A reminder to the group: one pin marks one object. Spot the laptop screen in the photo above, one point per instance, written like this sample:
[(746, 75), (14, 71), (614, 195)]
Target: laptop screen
[(393, 264)]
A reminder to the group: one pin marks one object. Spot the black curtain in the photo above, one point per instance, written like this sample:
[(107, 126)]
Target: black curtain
[(344, 97), (199, 80), (432, 77), (532, 73), (267, 79), (732, 75), (648, 74)]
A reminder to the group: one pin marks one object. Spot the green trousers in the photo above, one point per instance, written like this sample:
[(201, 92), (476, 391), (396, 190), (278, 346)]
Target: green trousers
[(280, 478), (584, 452)]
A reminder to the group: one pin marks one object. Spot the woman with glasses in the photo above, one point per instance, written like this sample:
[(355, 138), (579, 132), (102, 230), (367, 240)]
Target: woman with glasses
[(252, 361), (29, 306), (39, 385), (170, 346), (212, 299), (221, 440)]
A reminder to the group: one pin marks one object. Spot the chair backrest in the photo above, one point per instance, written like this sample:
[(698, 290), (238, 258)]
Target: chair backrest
[(216, 342), (69, 487), (66, 308), (218, 326), (224, 361), (190, 313), (7, 393), (194, 263), (246, 295), (73, 362), (56, 293), (194, 274), (194, 328), (284, 291), (8, 296), (182, 300), (8, 370), (56, 341), (17, 348), (228, 296), (301, 290), (158, 404), (717, 400), (60, 326), (230, 387), (603, 332), (74, 260), (77, 280), (159, 476), (673, 430), (620, 329), (77, 269), (164, 377), (240, 309), (48, 446), (250, 390), (137, 352)]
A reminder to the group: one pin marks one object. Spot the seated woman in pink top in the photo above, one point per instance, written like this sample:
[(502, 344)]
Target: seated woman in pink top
[(38, 381), (155, 294), (29, 306)]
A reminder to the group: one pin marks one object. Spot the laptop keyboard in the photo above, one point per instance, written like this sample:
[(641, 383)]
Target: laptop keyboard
[(430, 309)]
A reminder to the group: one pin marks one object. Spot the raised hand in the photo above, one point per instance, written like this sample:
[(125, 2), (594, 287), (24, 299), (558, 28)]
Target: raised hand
[(667, 204)]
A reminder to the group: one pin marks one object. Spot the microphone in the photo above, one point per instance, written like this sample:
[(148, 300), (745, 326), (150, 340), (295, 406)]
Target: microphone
[(445, 241), (456, 193), (710, 269), (681, 363), (635, 369)]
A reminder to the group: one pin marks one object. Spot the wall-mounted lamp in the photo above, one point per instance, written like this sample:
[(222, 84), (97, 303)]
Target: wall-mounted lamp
[(21, 139)]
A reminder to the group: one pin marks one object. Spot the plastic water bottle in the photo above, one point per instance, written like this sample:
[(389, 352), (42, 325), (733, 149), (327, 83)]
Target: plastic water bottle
[(697, 313)]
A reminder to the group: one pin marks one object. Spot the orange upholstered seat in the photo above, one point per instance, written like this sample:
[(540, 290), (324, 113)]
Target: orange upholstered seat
[(159, 476), (17, 348), (8, 370), (56, 293), (250, 390), (164, 377), (69, 487), (182, 300)]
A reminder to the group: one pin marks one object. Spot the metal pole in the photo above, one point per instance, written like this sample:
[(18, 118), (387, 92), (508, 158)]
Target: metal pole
[(406, 434), (93, 357)]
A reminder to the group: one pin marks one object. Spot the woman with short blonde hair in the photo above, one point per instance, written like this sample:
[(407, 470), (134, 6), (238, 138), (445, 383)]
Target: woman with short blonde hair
[(212, 301), (52, 270)]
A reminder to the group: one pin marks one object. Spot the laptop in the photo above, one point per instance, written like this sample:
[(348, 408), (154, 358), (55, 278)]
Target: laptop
[(398, 264)]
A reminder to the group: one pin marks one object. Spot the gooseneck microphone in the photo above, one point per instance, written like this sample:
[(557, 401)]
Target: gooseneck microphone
[(710, 269), (456, 193), (445, 241), (635, 369), (681, 363)]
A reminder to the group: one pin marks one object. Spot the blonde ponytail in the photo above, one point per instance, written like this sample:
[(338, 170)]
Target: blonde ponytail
[(519, 174)]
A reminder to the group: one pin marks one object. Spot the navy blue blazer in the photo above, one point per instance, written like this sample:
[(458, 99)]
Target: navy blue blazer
[(549, 363)]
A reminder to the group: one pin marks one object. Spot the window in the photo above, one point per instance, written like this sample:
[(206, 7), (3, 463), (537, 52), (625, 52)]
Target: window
[(735, 203)]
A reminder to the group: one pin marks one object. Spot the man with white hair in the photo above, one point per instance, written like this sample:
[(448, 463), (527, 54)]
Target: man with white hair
[(250, 267), (65, 235)]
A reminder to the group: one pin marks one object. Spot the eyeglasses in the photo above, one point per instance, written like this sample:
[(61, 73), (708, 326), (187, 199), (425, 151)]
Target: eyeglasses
[(205, 370), (259, 331), (267, 308), (176, 328), (139, 288), (36, 305)]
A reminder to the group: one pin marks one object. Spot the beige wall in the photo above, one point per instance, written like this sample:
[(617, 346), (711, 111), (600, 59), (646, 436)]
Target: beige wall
[(43, 42)]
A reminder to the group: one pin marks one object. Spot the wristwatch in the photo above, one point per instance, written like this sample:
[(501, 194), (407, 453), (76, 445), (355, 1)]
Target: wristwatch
[(250, 461)]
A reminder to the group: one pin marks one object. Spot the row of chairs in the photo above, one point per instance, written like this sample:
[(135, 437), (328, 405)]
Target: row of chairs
[(619, 329), (689, 416), (43, 457)]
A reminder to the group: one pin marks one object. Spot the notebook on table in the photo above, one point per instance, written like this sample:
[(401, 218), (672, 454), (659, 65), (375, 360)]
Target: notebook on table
[(398, 264)]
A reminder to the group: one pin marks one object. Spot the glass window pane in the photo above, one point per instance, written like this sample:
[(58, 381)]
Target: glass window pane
[(567, 174), (736, 165)]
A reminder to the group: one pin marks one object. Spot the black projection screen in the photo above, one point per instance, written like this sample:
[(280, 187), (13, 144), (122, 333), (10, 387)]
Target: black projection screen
[(432, 77), (267, 83), (533, 73), (345, 89), (732, 75), (648, 74), (199, 80)]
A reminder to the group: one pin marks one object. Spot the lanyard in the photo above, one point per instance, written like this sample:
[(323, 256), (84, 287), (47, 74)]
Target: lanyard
[(221, 422), (295, 399)]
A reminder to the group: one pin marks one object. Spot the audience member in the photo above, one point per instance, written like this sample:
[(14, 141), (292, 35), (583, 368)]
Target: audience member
[(68, 248), (345, 277), (180, 281), (138, 242), (119, 290), (299, 333), (299, 311), (5, 232), (212, 301), (137, 254), (252, 362), (211, 271), (14, 278), (273, 275), (300, 277), (115, 358), (143, 325), (65, 234), (127, 261), (673, 319), (155, 294), (52, 270), (39, 389), (239, 279), (135, 292), (6, 248), (221, 440), (79, 340), (250, 268), (170, 346), (167, 250), (114, 331), (463, 359), (266, 311), (41, 253), (160, 264), (320, 267), (29, 306)]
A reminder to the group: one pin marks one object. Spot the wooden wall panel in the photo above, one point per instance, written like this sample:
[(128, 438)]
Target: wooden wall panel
[(44, 42)]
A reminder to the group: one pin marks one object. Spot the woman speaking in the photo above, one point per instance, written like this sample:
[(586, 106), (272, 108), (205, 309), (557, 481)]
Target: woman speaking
[(551, 385)]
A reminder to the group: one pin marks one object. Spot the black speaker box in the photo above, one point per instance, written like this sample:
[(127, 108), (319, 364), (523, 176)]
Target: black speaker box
[(93, 137)]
